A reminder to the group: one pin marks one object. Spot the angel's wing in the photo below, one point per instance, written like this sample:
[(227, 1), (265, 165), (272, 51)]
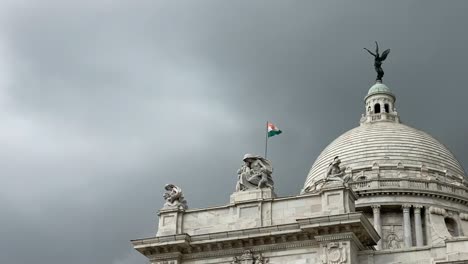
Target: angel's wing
[(370, 52), (384, 55)]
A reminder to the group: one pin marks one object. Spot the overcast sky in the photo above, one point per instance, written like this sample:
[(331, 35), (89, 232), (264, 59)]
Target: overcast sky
[(104, 102)]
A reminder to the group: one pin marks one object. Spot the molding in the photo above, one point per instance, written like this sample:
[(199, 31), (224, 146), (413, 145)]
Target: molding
[(168, 256), (255, 249), (305, 233), (396, 251), (340, 237), (413, 192)]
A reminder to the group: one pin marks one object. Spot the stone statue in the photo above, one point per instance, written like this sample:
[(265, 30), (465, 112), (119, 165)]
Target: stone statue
[(255, 173), (174, 197), (378, 60), (335, 173)]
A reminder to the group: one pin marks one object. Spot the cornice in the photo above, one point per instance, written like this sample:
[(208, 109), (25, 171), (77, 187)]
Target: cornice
[(256, 248), (339, 237), (300, 234), (412, 192)]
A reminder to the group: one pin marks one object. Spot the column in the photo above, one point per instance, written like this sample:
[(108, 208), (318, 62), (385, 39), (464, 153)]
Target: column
[(377, 223), (407, 225), (418, 225)]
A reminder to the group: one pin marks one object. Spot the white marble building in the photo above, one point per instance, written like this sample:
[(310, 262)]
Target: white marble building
[(406, 202)]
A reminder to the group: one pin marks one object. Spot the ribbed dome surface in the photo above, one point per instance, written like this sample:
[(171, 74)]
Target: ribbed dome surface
[(378, 88), (385, 143)]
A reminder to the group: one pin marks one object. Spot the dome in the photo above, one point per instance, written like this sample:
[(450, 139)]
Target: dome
[(379, 87), (389, 145)]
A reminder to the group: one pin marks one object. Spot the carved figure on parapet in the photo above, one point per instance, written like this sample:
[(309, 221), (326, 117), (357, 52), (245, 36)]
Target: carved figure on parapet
[(255, 173), (249, 258), (174, 197), (335, 174)]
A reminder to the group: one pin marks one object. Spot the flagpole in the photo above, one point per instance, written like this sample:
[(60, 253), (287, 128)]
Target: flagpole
[(266, 139)]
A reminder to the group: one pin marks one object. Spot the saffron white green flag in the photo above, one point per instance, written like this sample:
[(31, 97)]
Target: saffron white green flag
[(273, 130)]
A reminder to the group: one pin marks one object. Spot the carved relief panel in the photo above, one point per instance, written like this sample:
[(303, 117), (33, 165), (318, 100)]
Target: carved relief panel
[(392, 237), (249, 258), (334, 253)]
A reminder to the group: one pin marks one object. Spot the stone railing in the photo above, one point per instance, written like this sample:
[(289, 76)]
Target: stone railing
[(419, 184), (379, 117), (376, 117)]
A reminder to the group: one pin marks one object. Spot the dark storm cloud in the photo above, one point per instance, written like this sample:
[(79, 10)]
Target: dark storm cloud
[(103, 103)]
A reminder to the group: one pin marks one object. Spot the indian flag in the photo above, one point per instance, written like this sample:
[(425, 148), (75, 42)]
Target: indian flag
[(272, 130)]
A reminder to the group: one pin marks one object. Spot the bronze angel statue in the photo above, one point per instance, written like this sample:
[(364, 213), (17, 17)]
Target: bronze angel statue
[(378, 60)]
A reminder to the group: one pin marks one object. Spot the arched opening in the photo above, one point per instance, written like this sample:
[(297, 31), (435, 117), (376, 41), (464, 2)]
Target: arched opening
[(452, 227), (377, 108), (387, 108)]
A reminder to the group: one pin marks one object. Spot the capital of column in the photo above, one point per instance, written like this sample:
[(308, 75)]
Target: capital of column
[(406, 208), (375, 208), (417, 208)]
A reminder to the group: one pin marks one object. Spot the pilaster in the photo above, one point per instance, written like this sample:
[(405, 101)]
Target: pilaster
[(337, 199)]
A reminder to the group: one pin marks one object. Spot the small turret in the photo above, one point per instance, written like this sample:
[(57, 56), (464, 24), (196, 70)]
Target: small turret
[(380, 105)]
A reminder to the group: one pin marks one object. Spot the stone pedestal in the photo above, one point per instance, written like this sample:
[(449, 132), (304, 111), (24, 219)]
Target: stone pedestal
[(337, 199), (170, 221), (252, 195)]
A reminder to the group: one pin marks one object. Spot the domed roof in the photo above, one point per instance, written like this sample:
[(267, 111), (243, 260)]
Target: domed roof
[(379, 87), (387, 144)]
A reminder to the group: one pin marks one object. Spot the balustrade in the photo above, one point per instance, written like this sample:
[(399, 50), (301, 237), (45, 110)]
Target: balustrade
[(409, 183)]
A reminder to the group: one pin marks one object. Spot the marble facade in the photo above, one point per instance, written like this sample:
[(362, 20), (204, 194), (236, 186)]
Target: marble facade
[(315, 228), (406, 202)]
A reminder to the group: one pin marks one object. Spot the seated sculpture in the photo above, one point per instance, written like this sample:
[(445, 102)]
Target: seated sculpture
[(174, 197), (255, 173), (335, 173)]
